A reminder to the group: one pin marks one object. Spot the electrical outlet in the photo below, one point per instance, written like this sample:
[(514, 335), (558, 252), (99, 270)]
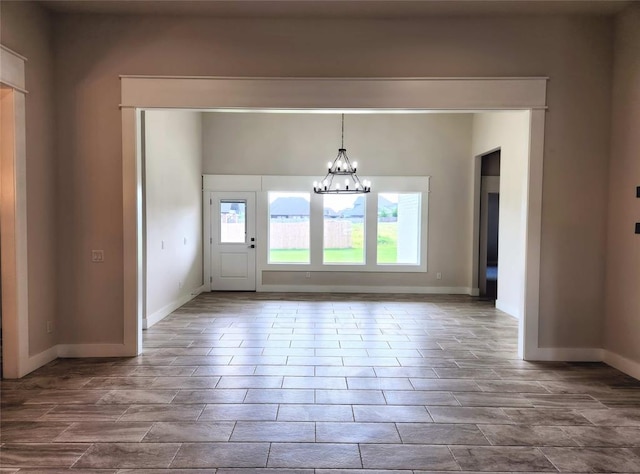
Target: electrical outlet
[(49, 327), (438, 276), (97, 256), (162, 245), (308, 275), (185, 241)]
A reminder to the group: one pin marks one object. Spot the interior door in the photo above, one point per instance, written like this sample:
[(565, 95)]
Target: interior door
[(233, 230)]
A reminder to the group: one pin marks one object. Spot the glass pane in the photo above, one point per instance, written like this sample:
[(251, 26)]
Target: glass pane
[(233, 222), (344, 217), (399, 228), (289, 228)]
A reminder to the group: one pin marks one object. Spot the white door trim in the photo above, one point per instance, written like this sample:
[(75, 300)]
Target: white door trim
[(13, 203), (467, 94)]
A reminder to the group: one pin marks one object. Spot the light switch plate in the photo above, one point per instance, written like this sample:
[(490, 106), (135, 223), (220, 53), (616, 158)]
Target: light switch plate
[(97, 256)]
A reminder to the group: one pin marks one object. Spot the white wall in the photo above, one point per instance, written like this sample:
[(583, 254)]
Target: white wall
[(508, 131), (26, 30), (435, 145), (173, 183), (92, 50), (622, 323)]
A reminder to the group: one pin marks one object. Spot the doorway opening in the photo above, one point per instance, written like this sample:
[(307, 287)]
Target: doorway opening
[(489, 225), (527, 95)]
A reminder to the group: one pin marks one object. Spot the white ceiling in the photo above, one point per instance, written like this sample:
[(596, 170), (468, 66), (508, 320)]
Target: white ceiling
[(380, 9)]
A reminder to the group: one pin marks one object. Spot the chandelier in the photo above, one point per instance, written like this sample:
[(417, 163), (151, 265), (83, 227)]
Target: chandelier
[(341, 177)]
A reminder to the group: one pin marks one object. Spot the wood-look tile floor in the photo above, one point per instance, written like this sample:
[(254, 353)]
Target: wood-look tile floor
[(281, 383)]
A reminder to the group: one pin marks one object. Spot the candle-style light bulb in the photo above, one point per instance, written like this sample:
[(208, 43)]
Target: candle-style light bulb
[(355, 164), (337, 186)]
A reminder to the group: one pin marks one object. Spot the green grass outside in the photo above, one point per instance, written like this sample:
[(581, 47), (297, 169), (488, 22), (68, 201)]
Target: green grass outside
[(387, 248)]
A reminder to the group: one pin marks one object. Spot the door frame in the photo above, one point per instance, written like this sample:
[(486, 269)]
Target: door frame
[(16, 361), (208, 237), (433, 94)]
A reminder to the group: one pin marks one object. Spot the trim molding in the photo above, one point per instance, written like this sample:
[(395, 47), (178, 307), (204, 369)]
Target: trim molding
[(92, 350), (13, 69), (166, 310), (466, 94), (510, 310), (16, 360), (427, 290), (566, 354), (628, 366), (43, 358)]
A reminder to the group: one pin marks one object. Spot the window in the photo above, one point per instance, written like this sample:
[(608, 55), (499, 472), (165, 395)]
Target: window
[(344, 229), (398, 236), (381, 231), (289, 227), (233, 226)]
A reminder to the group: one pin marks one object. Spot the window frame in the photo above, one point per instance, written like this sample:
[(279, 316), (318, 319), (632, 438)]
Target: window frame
[(381, 185), (420, 227), (365, 232), (268, 229)]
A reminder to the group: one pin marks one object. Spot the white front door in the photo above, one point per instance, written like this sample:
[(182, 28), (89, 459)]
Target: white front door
[(233, 231)]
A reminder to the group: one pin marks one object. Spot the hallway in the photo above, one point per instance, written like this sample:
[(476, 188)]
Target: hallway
[(234, 382)]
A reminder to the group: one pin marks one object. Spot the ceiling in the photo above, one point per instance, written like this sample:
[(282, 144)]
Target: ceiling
[(378, 9)]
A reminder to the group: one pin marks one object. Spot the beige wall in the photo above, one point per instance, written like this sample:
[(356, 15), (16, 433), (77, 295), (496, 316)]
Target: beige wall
[(25, 28), (92, 51), (173, 209), (508, 131), (622, 328), (435, 145)]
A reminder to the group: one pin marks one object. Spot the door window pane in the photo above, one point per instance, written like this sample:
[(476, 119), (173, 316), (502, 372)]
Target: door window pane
[(344, 235), (289, 227), (399, 228), (233, 222)]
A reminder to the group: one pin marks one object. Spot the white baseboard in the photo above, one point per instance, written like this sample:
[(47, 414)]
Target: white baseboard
[(628, 366), (475, 292), (510, 310), (433, 290), (93, 350), (36, 361), (565, 354), (73, 350), (166, 310)]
